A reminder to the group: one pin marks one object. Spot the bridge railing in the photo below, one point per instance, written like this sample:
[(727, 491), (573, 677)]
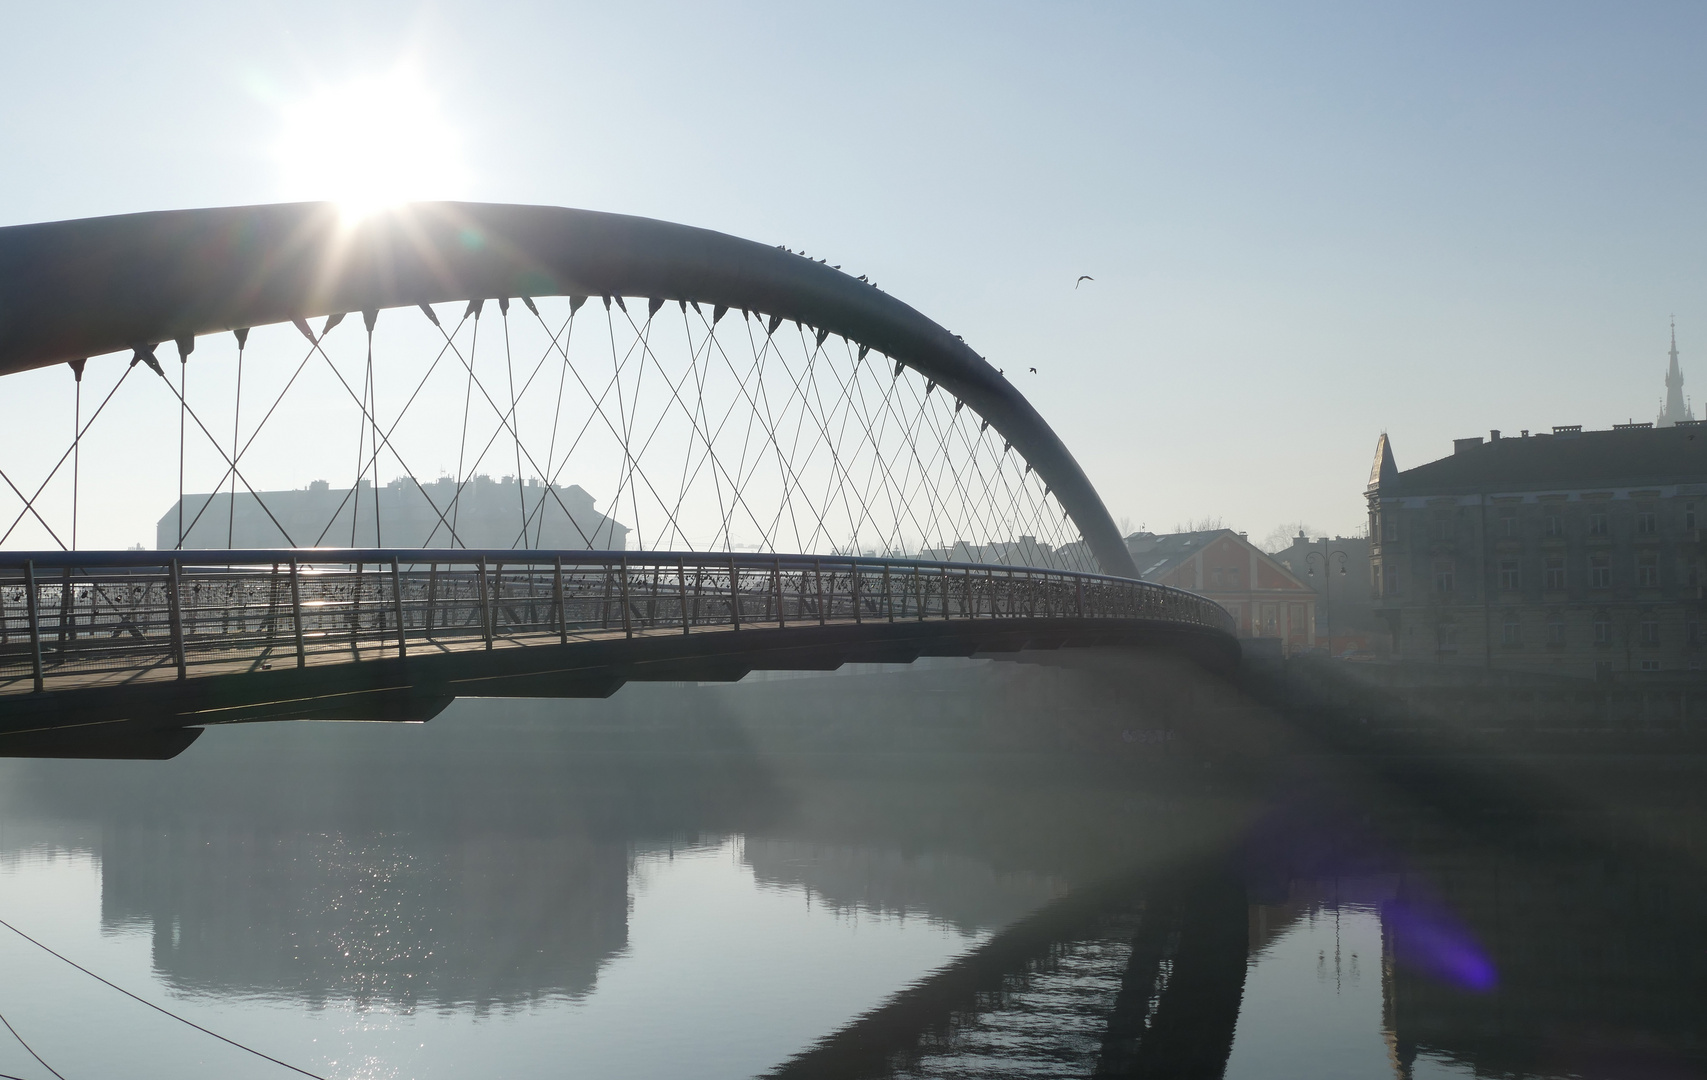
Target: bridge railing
[(79, 617)]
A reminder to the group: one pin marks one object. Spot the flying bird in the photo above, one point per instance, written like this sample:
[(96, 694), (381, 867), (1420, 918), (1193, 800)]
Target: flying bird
[(1082, 279), (1034, 371)]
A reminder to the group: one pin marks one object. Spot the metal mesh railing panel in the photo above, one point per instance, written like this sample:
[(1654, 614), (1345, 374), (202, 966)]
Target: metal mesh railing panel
[(65, 625)]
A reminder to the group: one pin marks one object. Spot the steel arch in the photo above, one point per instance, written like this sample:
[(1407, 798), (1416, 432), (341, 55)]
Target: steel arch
[(74, 289)]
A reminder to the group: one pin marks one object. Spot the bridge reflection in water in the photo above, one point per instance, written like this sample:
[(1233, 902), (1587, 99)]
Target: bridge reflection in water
[(494, 864), (490, 861)]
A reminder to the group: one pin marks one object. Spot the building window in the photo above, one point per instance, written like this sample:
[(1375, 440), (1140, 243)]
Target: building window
[(1650, 631), (1443, 525), (1555, 525), (1446, 636), (1442, 577), (1597, 524), (1694, 635), (1389, 525), (1602, 628), (1555, 573), (1689, 515), (1508, 522), (1392, 573), (1232, 577), (1600, 571), (1645, 524), (1215, 577), (1650, 665), (1555, 628), (1648, 569), (1511, 631), (1508, 574)]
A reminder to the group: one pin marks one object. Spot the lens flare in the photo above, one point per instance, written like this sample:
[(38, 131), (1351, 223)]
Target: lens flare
[(1430, 939), (369, 143)]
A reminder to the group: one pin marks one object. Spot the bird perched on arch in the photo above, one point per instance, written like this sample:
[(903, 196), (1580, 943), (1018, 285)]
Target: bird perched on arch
[(1082, 279)]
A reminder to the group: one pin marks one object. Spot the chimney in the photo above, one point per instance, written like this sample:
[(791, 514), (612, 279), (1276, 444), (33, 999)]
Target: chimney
[(1494, 435), (1460, 446)]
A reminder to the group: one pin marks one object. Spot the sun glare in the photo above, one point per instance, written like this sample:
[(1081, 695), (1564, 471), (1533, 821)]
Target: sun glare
[(369, 143)]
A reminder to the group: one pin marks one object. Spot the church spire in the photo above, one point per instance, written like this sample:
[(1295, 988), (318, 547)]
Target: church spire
[(1676, 408)]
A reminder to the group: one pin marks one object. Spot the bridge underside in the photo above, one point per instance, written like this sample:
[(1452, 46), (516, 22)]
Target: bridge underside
[(159, 719)]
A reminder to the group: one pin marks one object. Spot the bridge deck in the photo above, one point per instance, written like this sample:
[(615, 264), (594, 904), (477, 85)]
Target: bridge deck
[(323, 653), (124, 638)]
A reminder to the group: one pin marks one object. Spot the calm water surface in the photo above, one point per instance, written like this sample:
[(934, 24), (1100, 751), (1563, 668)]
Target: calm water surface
[(700, 881)]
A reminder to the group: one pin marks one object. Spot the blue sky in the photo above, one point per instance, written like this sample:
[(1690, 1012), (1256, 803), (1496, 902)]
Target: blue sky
[(1307, 223)]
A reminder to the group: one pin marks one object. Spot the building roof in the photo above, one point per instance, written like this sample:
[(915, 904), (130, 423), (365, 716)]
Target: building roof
[(1158, 554), (1385, 468), (1635, 456)]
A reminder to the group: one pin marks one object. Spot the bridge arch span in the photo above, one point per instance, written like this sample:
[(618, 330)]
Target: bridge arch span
[(76, 289)]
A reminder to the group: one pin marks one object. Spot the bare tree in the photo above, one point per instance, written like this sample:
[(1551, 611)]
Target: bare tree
[(1281, 536), (1202, 524)]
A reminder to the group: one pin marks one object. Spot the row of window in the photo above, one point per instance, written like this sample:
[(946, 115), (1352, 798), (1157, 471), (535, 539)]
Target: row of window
[(1511, 631), (1444, 525), (1553, 576)]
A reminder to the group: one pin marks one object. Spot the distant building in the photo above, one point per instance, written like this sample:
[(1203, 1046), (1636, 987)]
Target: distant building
[(1345, 610), (1263, 596), (489, 514), (1577, 552), (1677, 409), (1025, 551)]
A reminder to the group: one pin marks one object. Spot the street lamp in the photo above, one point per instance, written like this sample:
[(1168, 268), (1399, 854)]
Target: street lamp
[(1327, 558)]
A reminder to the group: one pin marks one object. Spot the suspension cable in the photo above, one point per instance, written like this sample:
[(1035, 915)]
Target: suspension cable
[(151, 1005), (185, 347), (220, 450), (29, 503), (30, 509), (504, 422), (474, 307), (361, 439), (314, 349), (76, 446), (370, 317), (556, 414), (28, 1047), (515, 420), (236, 417)]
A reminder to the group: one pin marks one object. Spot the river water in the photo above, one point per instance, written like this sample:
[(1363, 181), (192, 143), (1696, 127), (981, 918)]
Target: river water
[(956, 870)]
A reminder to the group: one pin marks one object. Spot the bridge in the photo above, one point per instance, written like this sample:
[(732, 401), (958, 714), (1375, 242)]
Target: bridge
[(811, 473)]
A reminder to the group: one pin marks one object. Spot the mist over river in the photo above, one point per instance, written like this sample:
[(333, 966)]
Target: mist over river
[(955, 868)]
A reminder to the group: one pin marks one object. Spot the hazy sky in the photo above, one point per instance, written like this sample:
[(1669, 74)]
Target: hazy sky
[(1307, 223)]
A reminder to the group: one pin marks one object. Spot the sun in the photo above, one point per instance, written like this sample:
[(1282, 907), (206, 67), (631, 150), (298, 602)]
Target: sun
[(369, 143)]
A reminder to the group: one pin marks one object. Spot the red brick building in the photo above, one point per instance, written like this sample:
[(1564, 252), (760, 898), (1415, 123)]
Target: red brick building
[(1264, 597)]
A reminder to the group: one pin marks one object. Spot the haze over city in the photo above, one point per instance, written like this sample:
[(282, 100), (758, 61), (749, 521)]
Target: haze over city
[(757, 540), (1305, 227)]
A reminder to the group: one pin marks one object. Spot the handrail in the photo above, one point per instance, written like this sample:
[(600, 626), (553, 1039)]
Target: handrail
[(177, 614), (56, 560)]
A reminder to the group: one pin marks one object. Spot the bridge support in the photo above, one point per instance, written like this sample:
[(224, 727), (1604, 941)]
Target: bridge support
[(32, 604)]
